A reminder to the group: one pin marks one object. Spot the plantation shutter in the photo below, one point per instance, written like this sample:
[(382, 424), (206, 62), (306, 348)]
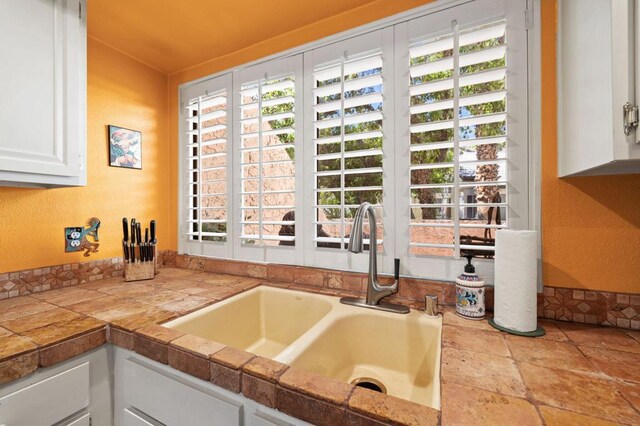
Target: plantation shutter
[(206, 127), (346, 115), (466, 105), (268, 146)]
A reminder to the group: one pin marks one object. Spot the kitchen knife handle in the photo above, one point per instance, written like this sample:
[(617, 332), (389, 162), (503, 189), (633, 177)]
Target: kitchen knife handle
[(138, 232), (146, 235), (125, 229), (125, 249), (152, 225), (133, 230), (132, 252)]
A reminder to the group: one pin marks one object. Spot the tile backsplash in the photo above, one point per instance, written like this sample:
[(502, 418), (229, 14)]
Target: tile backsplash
[(581, 306)]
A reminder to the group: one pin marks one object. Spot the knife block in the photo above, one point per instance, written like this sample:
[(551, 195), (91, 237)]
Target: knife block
[(139, 271)]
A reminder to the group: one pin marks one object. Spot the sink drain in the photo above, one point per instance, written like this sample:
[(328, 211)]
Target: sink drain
[(369, 383)]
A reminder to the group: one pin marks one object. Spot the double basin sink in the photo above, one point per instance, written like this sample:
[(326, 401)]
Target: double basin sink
[(397, 354)]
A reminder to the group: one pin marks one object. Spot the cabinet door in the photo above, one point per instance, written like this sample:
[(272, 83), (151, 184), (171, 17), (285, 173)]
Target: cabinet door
[(43, 86), (175, 402), (47, 401)]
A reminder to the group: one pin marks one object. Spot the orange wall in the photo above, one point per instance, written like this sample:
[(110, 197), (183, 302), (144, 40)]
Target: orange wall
[(590, 225), (120, 91)]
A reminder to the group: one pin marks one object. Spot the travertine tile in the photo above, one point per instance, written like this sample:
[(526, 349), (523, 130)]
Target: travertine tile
[(549, 353), (316, 386), (232, 357), (557, 417), (96, 305), (614, 363), (12, 345), (607, 338), (259, 390), (552, 331), (474, 340), (634, 334), (15, 308), (151, 349), (226, 377), (188, 304), (219, 292), (173, 273), (150, 315), (59, 352), (583, 393), (121, 338), (630, 392), (41, 319), (264, 368), (391, 409), (309, 409), (463, 405), (197, 345), (309, 276), (450, 317), (160, 297), (281, 273), (188, 363), (489, 372), (159, 333), (47, 335), (68, 296), (19, 366), (220, 279)]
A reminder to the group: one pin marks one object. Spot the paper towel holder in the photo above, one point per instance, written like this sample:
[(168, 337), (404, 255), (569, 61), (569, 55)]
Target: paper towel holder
[(539, 331)]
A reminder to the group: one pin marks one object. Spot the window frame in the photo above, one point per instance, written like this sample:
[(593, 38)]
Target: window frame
[(523, 14)]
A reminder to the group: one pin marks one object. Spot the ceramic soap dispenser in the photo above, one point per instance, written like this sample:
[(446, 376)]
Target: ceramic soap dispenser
[(470, 293)]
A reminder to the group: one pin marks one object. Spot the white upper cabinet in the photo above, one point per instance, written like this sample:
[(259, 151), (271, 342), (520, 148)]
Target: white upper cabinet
[(43, 93), (597, 76)]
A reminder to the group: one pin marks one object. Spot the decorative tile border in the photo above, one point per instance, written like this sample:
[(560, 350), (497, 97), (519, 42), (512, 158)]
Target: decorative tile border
[(28, 281), (564, 304), (592, 307)]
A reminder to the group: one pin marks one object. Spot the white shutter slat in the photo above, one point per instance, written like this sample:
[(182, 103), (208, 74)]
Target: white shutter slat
[(466, 80), (349, 120), (464, 101), (468, 59), (350, 67)]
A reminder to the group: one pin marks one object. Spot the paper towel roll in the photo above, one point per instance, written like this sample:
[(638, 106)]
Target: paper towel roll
[(516, 280)]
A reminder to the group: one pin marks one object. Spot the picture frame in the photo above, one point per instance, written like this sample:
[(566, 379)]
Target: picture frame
[(125, 147)]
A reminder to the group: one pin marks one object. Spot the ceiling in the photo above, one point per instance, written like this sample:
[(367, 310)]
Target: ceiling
[(172, 35)]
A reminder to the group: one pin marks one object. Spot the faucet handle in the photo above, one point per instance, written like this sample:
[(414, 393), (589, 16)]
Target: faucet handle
[(431, 305), (396, 273)]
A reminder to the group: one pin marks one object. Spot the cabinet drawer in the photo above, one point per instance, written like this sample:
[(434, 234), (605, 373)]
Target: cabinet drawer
[(84, 420), (173, 401), (48, 401), (133, 419)]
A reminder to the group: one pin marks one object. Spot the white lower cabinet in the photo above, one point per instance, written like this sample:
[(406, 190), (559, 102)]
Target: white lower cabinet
[(149, 393), (113, 386), (74, 393)]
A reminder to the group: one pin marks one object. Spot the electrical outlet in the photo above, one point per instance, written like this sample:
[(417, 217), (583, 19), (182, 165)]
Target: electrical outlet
[(73, 238)]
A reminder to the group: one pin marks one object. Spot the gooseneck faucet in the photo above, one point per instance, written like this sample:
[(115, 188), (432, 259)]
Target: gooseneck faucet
[(375, 291)]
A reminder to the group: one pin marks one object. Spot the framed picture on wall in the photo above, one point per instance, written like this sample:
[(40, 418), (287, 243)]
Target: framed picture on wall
[(125, 147)]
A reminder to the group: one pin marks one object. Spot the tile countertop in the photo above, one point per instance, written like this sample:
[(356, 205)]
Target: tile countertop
[(575, 374)]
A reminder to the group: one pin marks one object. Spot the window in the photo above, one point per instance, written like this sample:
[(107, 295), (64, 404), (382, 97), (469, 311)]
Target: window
[(207, 136), (425, 118), (268, 142)]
